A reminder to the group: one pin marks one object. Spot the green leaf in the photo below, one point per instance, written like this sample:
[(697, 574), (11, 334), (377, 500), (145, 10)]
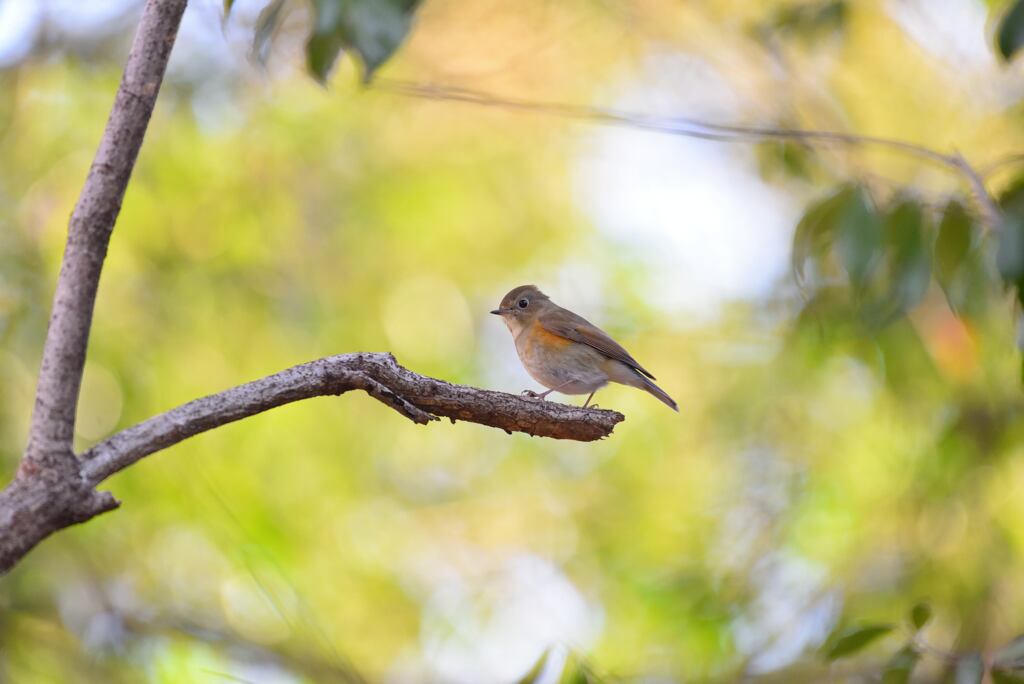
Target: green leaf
[(537, 670), (827, 318), (1010, 655), (953, 242), (1012, 199), (859, 237), (975, 283), (266, 26), (1010, 254), (1004, 677), (920, 615), (785, 158), (816, 230), (910, 261), (373, 29), (895, 267), (1010, 35), (969, 669), (576, 672), (901, 666), (228, 4), (853, 639), (810, 18), (1010, 250), (573, 675)]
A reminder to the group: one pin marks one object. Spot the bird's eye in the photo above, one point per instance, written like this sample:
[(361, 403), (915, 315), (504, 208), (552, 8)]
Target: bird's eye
[(523, 303)]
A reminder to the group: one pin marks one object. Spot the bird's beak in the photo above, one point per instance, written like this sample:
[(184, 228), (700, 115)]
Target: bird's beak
[(499, 311)]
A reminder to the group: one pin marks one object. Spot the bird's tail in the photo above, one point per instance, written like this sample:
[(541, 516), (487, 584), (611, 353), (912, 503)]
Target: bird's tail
[(659, 393)]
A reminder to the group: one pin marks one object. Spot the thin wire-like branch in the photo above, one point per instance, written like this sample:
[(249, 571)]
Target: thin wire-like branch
[(924, 647), (990, 211), (704, 130), (993, 166), (417, 397)]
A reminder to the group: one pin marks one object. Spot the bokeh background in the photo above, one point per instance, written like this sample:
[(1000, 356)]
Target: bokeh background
[(809, 483)]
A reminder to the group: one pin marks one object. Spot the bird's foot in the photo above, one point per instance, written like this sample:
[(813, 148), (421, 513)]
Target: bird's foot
[(530, 394)]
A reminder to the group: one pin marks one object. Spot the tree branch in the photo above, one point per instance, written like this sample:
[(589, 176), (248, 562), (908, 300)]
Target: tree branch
[(990, 210), (705, 130), (48, 492), (417, 397), (92, 222), (29, 509)]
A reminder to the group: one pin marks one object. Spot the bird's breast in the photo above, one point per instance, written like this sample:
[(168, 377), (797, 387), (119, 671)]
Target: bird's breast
[(555, 361)]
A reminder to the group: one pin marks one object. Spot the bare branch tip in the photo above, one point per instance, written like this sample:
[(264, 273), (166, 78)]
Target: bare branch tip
[(102, 502)]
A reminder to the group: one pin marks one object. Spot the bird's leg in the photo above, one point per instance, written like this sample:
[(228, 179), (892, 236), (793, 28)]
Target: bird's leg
[(544, 395), (587, 402)]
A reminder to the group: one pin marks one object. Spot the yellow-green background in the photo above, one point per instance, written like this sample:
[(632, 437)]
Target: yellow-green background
[(271, 221)]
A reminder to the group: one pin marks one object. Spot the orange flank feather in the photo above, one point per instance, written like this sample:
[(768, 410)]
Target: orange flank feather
[(538, 334)]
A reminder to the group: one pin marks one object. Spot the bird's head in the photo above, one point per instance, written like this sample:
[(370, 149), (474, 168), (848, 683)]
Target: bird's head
[(520, 307)]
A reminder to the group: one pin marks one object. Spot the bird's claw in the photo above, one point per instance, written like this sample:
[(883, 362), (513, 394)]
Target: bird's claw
[(530, 394)]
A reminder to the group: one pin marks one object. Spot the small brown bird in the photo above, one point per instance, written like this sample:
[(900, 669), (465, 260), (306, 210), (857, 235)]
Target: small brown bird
[(567, 353)]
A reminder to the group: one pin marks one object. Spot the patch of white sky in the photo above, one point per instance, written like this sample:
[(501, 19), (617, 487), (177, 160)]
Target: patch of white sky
[(493, 625), (697, 214), (209, 53), (957, 34), (23, 23), (950, 30), (20, 22), (791, 613)]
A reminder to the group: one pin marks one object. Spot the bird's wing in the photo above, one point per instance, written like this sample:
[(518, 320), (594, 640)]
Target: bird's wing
[(565, 323)]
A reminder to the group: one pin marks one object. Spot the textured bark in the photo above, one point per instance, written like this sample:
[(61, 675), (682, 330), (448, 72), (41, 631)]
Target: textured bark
[(34, 507), (419, 398), (48, 492), (37, 503), (60, 375)]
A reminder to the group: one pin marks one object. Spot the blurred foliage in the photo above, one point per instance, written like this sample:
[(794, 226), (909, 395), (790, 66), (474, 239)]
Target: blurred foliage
[(849, 453), (372, 29), (1010, 36), (805, 20)]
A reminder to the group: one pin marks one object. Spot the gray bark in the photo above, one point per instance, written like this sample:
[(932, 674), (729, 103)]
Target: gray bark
[(417, 397), (92, 222), (27, 507), (48, 492)]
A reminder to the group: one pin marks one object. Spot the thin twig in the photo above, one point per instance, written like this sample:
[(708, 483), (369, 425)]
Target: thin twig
[(704, 130), (989, 208), (1008, 160)]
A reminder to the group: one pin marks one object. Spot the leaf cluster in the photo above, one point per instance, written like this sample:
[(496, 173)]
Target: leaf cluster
[(877, 262), (371, 29), (1006, 665)]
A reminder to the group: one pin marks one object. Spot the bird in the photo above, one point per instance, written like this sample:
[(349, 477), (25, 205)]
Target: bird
[(567, 353)]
